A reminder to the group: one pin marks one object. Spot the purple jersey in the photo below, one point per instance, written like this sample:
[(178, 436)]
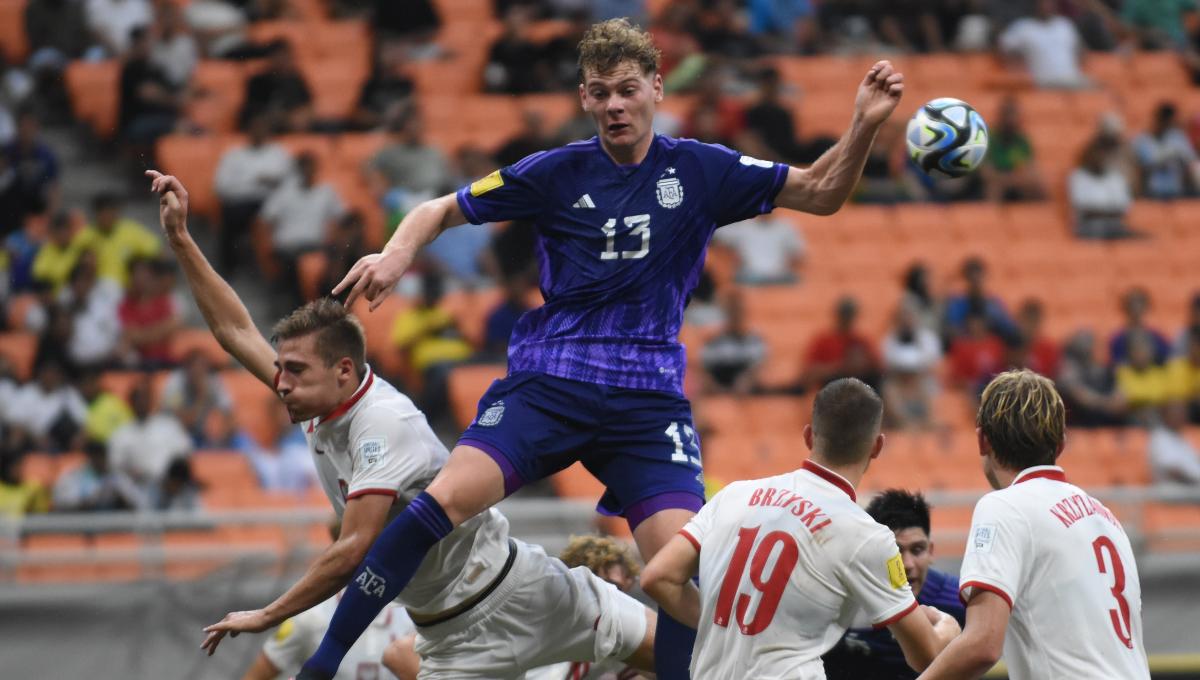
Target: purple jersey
[(620, 250)]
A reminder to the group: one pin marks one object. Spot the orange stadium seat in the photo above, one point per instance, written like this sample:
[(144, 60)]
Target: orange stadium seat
[(1161, 70), (20, 348), (466, 387), (180, 566), (1170, 527), (185, 341), (377, 326), (224, 469), (1112, 69), (126, 568), (13, 43), (336, 86), (256, 408), (310, 270), (221, 90), (354, 150), (18, 308), (69, 547), (40, 468), (94, 92), (194, 161), (466, 11)]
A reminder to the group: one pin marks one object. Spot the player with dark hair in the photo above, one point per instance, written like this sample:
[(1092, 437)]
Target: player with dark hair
[(872, 653), (595, 375)]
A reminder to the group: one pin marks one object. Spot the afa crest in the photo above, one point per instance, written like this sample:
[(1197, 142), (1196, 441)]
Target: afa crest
[(669, 192), (493, 415)]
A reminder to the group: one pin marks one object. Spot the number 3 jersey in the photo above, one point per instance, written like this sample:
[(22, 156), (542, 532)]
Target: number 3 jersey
[(787, 563), (1063, 564), (620, 249)]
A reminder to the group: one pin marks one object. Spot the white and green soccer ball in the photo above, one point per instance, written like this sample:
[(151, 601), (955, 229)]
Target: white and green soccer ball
[(947, 138)]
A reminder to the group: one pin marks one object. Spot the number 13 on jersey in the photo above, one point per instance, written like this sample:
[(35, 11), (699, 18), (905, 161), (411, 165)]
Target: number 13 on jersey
[(639, 225)]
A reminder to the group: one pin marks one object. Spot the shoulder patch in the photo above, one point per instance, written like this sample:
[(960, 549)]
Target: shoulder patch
[(482, 186), (750, 160), (285, 630), (982, 538), (371, 450), (896, 575)]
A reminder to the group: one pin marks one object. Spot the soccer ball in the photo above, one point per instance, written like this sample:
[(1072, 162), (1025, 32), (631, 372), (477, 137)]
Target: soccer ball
[(947, 138)]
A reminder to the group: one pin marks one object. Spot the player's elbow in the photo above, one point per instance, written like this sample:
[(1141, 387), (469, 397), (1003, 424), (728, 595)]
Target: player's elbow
[(656, 581)]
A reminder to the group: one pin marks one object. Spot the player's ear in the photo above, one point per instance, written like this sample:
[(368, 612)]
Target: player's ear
[(582, 97), (658, 87), (878, 448), (808, 436), (985, 449)]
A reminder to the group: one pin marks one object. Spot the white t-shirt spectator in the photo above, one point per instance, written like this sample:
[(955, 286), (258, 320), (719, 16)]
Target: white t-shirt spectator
[(143, 449), (1108, 192), (177, 57), (116, 19), (289, 468), (37, 410), (299, 216), (1050, 49), (97, 328), (919, 355), (1172, 456), (1164, 162), (250, 174), (766, 248)]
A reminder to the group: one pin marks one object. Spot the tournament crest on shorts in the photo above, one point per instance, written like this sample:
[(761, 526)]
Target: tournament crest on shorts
[(669, 192), (493, 415)]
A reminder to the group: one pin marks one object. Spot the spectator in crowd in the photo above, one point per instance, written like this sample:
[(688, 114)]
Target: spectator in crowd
[(48, 413), (36, 168), (674, 38), (1183, 372), (54, 335), (1042, 353), (105, 411), (12, 201), (704, 310), (1190, 326), (92, 303), (408, 170), (93, 487), (150, 104), (917, 294), (976, 354), (883, 179), (195, 395), (503, 317), (57, 32), (1048, 45), (19, 497), (1135, 305), (841, 351), (287, 465), (299, 215), (772, 123), (345, 245), (1157, 25), (732, 358), (717, 117), (462, 252), (1100, 194), (785, 25), (1142, 382), (430, 340), (8, 391), (175, 51), (1167, 162), (917, 25), (413, 23), (58, 255), (144, 448), (976, 298), (387, 93), (532, 138), (509, 65), (1088, 386), (178, 491), (280, 93), (113, 24), (116, 240), (1010, 172), (1172, 457), (558, 61), (911, 352), (769, 250), (246, 176), (722, 29), (150, 314)]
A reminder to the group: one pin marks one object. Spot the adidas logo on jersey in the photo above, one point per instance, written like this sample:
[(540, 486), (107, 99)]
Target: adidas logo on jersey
[(584, 201)]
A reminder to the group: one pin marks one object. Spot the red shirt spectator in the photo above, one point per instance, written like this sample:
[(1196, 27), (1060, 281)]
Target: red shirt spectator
[(977, 354), (1041, 354), (841, 352), (149, 314)]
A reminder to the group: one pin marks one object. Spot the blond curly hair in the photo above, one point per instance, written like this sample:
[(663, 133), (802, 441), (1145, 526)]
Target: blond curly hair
[(598, 553), (609, 43)]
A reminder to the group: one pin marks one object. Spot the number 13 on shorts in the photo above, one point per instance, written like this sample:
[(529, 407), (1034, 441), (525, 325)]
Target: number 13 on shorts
[(684, 437)]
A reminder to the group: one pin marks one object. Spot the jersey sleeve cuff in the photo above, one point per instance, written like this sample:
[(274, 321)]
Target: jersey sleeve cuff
[(690, 538), (984, 585), (377, 491), (464, 203), (781, 173), (896, 617)]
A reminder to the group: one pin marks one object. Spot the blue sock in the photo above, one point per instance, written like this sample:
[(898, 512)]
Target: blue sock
[(388, 567), (673, 644)]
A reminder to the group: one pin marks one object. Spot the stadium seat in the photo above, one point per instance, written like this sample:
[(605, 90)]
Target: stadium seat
[(73, 549), (256, 408), (40, 468), (14, 45), (1160, 70), (18, 309), (1112, 69), (118, 557), (1171, 527), (354, 150), (377, 326), (466, 386), (224, 469), (180, 561), (94, 93), (194, 161), (311, 268), (20, 349), (185, 341)]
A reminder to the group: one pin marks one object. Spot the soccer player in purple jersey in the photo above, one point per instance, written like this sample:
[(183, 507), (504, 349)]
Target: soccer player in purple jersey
[(595, 375)]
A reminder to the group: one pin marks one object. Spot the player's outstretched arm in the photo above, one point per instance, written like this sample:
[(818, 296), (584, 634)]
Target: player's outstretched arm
[(668, 579), (823, 187), (974, 652), (374, 276), (223, 311), (364, 518), (923, 634)]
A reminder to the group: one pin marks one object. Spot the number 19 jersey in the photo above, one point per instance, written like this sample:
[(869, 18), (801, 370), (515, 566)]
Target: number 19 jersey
[(1062, 563), (787, 563)]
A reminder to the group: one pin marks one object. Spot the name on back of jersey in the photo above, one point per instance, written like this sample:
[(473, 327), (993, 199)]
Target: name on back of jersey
[(1075, 507), (811, 515)]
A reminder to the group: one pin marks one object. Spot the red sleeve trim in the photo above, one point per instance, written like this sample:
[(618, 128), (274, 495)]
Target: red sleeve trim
[(691, 539), (372, 492), (907, 610), (984, 586)]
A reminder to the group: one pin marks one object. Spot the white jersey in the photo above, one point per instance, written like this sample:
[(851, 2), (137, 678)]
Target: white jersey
[(297, 639), (611, 669), (786, 564), (378, 442), (1063, 564)]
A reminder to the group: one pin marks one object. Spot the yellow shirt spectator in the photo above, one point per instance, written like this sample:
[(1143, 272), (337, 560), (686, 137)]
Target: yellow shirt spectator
[(429, 336), (105, 414), (115, 248), (1184, 379), (23, 498), (1148, 386), (53, 264)]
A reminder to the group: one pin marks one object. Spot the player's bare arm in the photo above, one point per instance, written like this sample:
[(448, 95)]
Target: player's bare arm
[(979, 647), (223, 311), (374, 276), (668, 579), (923, 634), (261, 669), (364, 518), (823, 187)]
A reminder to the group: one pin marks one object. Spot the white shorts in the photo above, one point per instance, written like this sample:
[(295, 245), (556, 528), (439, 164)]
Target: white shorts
[(541, 613)]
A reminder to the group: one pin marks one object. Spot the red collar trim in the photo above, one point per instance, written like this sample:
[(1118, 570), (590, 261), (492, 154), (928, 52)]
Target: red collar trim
[(831, 477), (349, 403), (1041, 472)]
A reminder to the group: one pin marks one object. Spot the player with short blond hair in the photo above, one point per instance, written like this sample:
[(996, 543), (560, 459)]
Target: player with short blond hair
[(1049, 577)]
